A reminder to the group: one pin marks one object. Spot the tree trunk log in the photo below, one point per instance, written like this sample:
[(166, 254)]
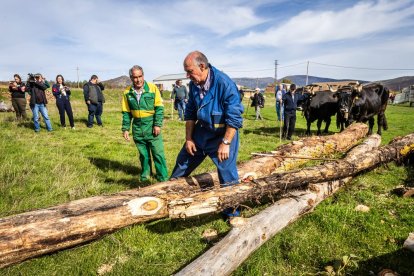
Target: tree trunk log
[(225, 256), (42, 231), (218, 199)]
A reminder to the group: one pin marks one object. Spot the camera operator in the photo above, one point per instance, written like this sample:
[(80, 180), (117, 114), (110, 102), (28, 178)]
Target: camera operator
[(37, 87), (94, 99), (17, 89)]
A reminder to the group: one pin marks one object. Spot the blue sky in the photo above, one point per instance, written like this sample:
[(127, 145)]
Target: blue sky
[(242, 38)]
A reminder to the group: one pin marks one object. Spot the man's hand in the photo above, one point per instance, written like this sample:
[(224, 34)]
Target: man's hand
[(223, 152), (126, 135), (156, 130), (88, 102), (190, 147)]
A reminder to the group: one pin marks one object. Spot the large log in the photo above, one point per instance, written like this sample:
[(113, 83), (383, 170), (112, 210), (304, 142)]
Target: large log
[(225, 256), (218, 199), (247, 236), (42, 231), (365, 158)]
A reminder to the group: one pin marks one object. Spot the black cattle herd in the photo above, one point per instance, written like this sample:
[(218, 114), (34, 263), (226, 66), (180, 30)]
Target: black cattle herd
[(351, 103)]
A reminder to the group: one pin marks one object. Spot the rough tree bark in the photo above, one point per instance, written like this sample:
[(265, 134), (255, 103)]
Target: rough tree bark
[(42, 231), (249, 234), (219, 199), (225, 256)]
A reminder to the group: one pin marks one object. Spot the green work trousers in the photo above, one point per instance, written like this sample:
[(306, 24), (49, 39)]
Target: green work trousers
[(152, 147)]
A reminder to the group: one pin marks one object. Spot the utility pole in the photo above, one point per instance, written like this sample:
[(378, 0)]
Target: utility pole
[(307, 73), (77, 73), (275, 71)]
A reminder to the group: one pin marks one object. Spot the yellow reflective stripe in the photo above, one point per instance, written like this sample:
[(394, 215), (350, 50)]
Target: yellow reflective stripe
[(219, 125), (142, 113)]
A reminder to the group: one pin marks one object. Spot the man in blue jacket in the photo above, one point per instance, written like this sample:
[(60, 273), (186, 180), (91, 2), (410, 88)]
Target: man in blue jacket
[(213, 116)]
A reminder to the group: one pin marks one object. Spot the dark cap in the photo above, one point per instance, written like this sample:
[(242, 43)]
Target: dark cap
[(94, 77)]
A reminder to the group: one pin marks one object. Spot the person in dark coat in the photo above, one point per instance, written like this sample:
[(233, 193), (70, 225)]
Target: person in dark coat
[(17, 89), (62, 95), (94, 99), (257, 102), (290, 102), (37, 87)]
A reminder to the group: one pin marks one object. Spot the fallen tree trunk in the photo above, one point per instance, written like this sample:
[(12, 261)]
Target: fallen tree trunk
[(218, 199), (42, 231), (364, 158), (247, 236), (225, 256)]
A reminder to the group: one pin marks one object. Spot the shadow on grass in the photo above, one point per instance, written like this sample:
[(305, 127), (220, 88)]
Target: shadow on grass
[(400, 261), (110, 165)]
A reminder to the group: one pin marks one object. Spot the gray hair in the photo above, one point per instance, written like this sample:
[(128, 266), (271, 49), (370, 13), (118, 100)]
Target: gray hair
[(135, 67), (196, 58)]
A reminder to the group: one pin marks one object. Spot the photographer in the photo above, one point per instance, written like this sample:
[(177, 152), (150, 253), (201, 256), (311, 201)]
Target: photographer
[(62, 95), (36, 88), (94, 99), (17, 89)]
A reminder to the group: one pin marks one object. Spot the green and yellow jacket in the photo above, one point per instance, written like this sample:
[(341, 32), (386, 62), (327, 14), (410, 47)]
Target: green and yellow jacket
[(145, 114)]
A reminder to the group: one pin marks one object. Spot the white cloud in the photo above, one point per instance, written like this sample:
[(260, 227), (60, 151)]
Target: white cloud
[(309, 27)]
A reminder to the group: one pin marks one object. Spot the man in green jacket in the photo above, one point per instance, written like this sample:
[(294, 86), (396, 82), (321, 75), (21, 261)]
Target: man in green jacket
[(142, 104)]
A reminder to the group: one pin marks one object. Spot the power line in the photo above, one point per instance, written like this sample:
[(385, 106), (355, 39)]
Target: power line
[(364, 68)]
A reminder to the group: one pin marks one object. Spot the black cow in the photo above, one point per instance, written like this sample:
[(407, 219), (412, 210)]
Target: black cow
[(363, 103), (320, 106)]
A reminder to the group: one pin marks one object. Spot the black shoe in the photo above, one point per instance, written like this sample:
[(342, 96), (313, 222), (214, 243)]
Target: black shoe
[(101, 125), (90, 126), (288, 138)]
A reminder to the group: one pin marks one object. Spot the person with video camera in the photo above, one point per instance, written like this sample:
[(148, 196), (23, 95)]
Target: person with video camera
[(37, 86), (17, 89), (62, 95), (94, 99)]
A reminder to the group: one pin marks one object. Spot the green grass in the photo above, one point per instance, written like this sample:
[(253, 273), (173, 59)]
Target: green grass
[(46, 169)]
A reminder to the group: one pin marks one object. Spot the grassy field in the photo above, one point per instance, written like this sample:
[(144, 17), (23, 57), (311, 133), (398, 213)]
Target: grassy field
[(46, 169)]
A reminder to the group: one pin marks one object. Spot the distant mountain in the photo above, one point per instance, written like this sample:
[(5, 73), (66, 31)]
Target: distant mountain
[(299, 80), (398, 83), (119, 82)]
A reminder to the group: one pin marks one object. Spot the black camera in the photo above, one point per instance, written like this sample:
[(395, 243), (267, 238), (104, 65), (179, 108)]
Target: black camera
[(31, 77)]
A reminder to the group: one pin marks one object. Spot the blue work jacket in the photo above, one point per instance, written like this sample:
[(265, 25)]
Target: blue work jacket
[(220, 107)]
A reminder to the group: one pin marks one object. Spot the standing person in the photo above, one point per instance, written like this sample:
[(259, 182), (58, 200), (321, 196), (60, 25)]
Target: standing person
[(94, 99), (213, 117), (62, 95), (37, 87), (279, 107), (142, 104), (257, 102), (180, 97), (290, 102), (17, 89)]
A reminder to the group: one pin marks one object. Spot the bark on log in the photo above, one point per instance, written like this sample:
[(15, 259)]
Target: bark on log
[(218, 199), (225, 256), (43, 231), (363, 158)]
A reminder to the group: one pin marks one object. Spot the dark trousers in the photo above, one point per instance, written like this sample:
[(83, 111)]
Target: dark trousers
[(95, 110), (289, 124), (19, 106), (63, 104)]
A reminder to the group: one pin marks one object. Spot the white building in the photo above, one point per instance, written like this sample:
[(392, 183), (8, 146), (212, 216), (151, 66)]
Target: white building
[(166, 82)]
